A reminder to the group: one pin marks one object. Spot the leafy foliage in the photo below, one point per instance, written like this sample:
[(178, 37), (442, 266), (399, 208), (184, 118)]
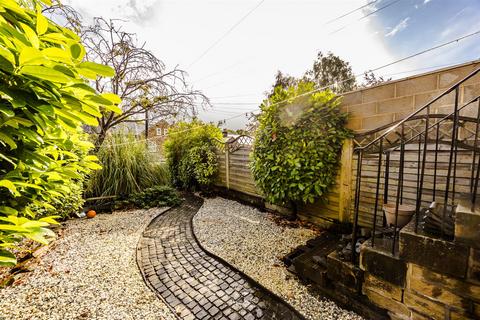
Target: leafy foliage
[(65, 207), (158, 196), (370, 79), (44, 100), (326, 70), (190, 154), (127, 168), (329, 69), (297, 145)]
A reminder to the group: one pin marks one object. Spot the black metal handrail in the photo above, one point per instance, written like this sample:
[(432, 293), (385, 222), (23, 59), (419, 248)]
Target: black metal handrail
[(423, 108), (415, 118), (424, 142)]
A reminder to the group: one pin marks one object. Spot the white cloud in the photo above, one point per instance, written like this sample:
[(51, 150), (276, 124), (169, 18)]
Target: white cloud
[(426, 1), (279, 35), (399, 27)]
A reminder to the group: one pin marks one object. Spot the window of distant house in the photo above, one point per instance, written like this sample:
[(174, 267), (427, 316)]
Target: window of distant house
[(165, 132), (159, 131)]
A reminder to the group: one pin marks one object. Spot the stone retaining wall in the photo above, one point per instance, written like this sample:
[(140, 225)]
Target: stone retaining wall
[(429, 279)]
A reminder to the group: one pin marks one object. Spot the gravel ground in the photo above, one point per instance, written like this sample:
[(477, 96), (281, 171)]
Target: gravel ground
[(89, 273), (246, 238)]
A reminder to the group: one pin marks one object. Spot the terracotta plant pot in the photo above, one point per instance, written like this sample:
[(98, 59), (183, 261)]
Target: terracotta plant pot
[(405, 213)]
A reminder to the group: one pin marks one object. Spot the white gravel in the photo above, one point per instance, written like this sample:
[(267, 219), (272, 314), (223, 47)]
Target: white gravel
[(246, 238), (89, 273)]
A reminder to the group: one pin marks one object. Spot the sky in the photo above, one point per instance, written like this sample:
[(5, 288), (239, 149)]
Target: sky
[(232, 49)]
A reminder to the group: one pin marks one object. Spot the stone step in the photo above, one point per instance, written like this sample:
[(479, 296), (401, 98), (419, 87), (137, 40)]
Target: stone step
[(467, 224), (444, 256), (310, 262)]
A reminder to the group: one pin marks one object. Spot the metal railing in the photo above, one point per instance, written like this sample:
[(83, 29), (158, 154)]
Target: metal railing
[(420, 134)]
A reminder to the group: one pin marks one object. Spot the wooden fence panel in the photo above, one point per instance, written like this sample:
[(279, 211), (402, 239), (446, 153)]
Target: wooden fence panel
[(234, 173), (369, 180)]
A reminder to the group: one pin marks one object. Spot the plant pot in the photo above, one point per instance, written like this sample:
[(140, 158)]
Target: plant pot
[(405, 213)]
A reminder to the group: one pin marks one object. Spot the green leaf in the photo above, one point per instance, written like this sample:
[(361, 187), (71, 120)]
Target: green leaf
[(57, 54), (31, 56), (9, 185), (13, 228), (77, 51), (42, 23), (113, 108), (45, 74), (8, 210), (7, 111), (96, 68), (7, 259), (7, 140), (112, 97), (7, 55), (50, 220), (93, 166), (31, 35)]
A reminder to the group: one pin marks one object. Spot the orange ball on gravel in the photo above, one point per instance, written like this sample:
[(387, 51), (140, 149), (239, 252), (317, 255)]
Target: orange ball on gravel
[(91, 214)]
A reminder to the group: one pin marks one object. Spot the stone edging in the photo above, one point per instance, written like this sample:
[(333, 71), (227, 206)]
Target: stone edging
[(137, 260), (247, 277)]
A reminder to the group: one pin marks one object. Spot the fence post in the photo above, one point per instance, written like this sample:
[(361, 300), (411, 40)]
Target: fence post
[(227, 164), (345, 195)]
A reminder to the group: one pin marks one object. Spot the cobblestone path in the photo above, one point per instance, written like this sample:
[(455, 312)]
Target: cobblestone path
[(194, 284)]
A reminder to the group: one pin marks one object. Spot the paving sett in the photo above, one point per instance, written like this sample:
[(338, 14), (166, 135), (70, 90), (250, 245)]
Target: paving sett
[(194, 284)]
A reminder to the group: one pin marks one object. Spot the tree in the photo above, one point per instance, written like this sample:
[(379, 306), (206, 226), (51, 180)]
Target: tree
[(370, 79), (297, 145), (327, 71), (141, 79), (64, 14), (283, 80), (44, 101), (331, 69)]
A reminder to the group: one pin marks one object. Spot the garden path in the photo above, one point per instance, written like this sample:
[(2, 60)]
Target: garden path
[(194, 283)]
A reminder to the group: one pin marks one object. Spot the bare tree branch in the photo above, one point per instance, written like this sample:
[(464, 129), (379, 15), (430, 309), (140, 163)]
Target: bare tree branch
[(141, 79)]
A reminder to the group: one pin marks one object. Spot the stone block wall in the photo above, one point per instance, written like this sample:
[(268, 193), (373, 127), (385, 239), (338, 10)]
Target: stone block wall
[(381, 105), (430, 278)]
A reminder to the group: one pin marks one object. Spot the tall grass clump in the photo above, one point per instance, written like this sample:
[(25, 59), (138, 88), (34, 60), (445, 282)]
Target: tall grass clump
[(127, 168)]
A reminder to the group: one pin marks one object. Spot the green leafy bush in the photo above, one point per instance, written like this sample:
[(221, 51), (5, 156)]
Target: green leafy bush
[(44, 100), (159, 196), (298, 144), (190, 154), (127, 168), (66, 206)]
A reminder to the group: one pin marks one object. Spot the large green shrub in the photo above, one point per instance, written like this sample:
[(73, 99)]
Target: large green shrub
[(127, 168), (190, 154), (298, 144), (44, 100)]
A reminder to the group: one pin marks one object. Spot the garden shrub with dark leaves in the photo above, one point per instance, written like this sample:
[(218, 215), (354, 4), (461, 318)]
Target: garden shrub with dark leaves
[(159, 196)]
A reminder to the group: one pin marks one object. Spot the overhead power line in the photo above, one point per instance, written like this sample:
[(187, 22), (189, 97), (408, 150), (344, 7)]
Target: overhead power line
[(216, 42), (371, 70), (349, 13), (366, 16), (332, 84)]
